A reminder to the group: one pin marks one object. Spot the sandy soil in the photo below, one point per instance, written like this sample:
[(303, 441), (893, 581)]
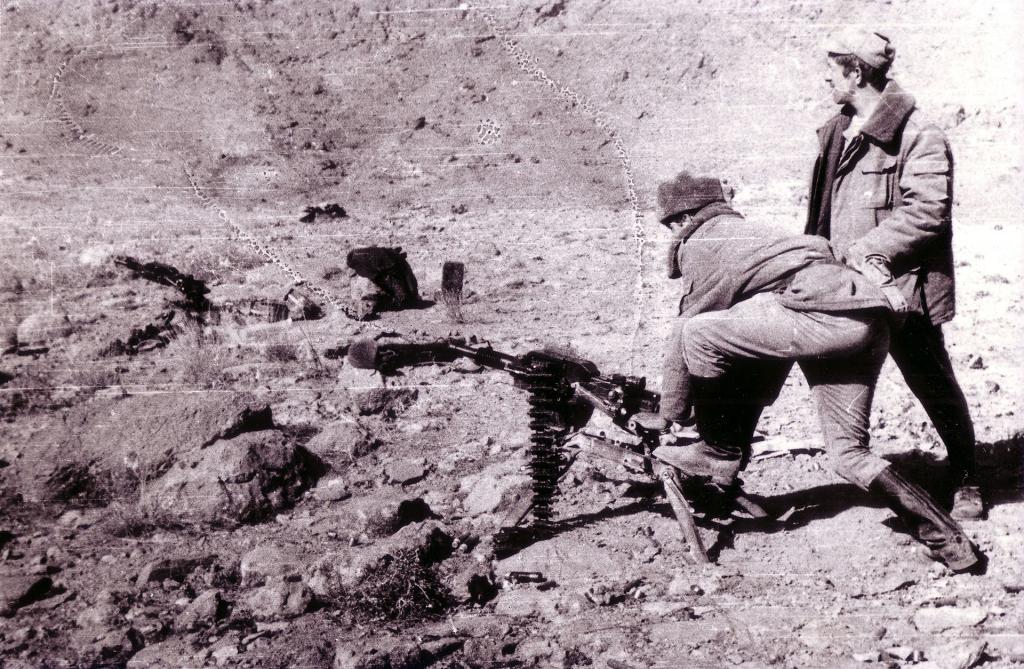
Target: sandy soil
[(418, 121)]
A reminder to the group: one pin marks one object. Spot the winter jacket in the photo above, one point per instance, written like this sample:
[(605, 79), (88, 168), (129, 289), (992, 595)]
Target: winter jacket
[(728, 259), (889, 193)]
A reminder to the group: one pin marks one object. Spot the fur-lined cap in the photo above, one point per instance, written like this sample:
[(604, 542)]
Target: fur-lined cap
[(686, 194)]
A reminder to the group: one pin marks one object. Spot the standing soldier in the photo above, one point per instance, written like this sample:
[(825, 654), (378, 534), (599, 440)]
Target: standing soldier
[(882, 192)]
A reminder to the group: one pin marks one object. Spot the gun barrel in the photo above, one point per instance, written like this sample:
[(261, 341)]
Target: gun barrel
[(484, 355), (369, 354)]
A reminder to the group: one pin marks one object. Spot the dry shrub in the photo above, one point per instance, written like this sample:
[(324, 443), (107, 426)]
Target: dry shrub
[(139, 520), (283, 353), (123, 489), (452, 302), (32, 391), (203, 357), (93, 378), (398, 587)]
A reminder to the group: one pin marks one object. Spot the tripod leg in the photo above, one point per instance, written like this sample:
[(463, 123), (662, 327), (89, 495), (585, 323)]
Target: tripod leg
[(674, 492), (750, 506)]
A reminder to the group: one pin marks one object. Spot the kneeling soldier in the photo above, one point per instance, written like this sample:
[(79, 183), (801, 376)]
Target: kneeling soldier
[(756, 299)]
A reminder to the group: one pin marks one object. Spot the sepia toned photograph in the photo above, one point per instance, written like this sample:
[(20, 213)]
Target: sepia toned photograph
[(396, 334)]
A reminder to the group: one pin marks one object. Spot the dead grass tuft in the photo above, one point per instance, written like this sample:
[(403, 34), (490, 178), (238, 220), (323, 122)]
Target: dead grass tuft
[(139, 520), (32, 391), (203, 357), (281, 353), (452, 302), (399, 587)]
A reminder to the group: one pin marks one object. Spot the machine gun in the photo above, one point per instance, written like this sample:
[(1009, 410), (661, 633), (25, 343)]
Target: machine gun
[(564, 392)]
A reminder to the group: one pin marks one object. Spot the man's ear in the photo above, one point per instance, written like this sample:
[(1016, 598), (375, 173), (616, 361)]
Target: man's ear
[(858, 80), (728, 191), (679, 222)]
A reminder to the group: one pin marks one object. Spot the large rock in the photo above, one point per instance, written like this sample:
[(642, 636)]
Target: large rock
[(341, 442), (405, 471), (133, 438), (266, 561), (17, 591), (381, 514), (43, 329), (174, 569), (202, 611), (496, 488), (332, 489), (958, 654), (942, 618), (100, 616), (430, 541), (244, 479), (278, 599), (8, 328), (169, 654), (470, 581), (388, 403)]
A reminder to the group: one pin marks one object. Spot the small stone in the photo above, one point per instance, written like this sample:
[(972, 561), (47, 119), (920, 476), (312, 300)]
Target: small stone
[(386, 518), (332, 490), (493, 488), (224, 653), (278, 599), (386, 402), (682, 586), (22, 634), (201, 611), (473, 583), (405, 471), (103, 615), (267, 561), (173, 569), (992, 387), (978, 363), (960, 654), (900, 652), (663, 608), (42, 329), (934, 620), (873, 656), (1012, 583)]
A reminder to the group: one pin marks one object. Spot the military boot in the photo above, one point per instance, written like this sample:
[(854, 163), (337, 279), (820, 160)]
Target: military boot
[(929, 522), (721, 464), (968, 504)]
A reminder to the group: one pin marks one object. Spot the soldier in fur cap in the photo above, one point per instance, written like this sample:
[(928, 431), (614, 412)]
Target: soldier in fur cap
[(755, 299)]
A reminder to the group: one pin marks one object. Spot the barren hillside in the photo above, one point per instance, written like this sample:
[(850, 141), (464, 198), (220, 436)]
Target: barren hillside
[(235, 494)]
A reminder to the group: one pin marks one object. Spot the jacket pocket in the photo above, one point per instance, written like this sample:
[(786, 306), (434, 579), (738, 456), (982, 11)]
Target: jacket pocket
[(880, 178)]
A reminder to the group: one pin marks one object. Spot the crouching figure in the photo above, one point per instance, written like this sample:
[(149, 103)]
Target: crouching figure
[(756, 299)]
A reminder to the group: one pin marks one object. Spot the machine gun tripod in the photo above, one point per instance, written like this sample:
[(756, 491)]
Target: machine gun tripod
[(564, 392)]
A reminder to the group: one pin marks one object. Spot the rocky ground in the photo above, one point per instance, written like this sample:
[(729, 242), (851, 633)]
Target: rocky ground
[(237, 495)]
